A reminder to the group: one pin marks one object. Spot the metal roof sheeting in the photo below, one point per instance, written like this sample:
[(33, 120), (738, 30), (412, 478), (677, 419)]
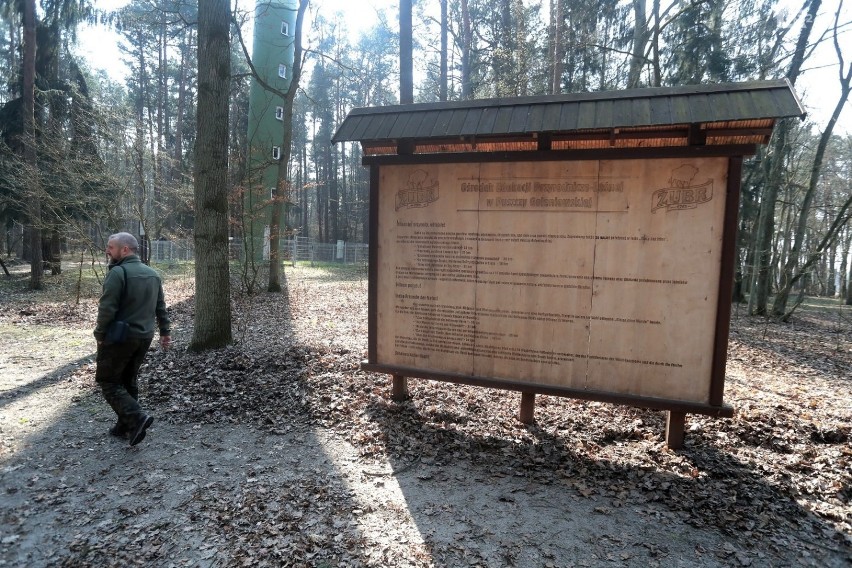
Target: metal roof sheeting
[(660, 116)]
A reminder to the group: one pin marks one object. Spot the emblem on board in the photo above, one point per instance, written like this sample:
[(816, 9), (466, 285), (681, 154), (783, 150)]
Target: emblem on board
[(681, 193), (421, 191)]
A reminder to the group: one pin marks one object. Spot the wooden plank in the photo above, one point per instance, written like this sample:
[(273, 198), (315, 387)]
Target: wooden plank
[(621, 113), (786, 104), (373, 268), (550, 121), (457, 120), (439, 125), (412, 128), (360, 126), (583, 274), (726, 281), (593, 154), (486, 121), (347, 129), (377, 128), (399, 388), (724, 411), (661, 111), (569, 117), (471, 122), (640, 112), (501, 122), (603, 113), (527, 411), (656, 274), (586, 115), (675, 428), (535, 120), (751, 104), (685, 91), (768, 99), (398, 128), (700, 109), (680, 110), (758, 133), (518, 122), (731, 103)]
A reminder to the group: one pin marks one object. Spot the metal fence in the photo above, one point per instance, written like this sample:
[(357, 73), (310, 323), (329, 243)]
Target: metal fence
[(304, 249), (172, 251), (300, 249)]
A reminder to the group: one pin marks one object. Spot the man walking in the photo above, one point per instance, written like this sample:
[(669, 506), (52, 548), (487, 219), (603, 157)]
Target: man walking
[(132, 293)]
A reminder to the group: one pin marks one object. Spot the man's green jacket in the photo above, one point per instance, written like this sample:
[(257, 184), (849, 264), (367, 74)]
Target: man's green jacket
[(143, 300)]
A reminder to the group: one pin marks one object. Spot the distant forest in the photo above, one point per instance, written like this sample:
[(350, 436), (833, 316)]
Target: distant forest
[(104, 154)]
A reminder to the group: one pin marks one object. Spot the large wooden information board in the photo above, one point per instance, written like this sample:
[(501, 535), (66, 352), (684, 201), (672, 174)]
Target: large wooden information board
[(597, 275)]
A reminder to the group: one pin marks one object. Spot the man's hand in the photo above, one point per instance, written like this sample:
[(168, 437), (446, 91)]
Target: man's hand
[(165, 341)]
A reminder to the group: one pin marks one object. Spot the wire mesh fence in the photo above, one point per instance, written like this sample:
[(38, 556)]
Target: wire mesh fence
[(299, 249)]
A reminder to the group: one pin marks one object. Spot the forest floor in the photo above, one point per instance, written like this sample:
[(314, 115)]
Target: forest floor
[(280, 451)]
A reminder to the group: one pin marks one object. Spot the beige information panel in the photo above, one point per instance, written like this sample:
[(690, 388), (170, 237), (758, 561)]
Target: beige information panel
[(598, 275)]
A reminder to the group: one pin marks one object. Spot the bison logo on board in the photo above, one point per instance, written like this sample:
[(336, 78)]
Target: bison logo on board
[(681, 193), (421, 191)]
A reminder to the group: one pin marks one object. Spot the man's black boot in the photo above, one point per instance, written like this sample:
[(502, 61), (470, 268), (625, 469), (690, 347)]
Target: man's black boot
[(138, 433), (119, 430)]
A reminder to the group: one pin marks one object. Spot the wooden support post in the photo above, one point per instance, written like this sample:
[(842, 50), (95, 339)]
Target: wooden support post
[(527, 407), (675, 422), (399, 390)]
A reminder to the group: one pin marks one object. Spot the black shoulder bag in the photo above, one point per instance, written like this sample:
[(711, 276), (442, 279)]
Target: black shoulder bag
[(117, 330)]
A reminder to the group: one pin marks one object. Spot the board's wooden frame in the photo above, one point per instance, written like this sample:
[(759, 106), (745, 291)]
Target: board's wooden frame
[(677, 408)]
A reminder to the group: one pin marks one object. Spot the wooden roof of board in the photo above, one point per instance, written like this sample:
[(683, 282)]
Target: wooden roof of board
[(731, 113)]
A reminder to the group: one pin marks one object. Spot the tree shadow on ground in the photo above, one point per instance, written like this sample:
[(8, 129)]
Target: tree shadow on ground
[(815, 340), (207, 487), (190, 494), (602, 492), (28, 388)]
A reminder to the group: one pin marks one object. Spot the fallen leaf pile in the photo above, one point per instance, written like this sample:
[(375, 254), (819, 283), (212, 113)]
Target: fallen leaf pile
[(782, 465), (775, 478)]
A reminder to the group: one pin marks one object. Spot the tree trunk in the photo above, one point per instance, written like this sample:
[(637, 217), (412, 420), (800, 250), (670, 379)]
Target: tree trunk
[(839, 221), (737, 295), (34, 199), (212, 279), (844, 280), (320, 200), (444, 75), (558, 62), (139, 143), (13, 51), (831, 270), (640, 40), (158, 212), (466, 53), (406, 58), (334, 194), (849, 286), (779, 307), (177, 169), (306, 208), (762, 275), (655, 48), (759, 298), (345, 195)]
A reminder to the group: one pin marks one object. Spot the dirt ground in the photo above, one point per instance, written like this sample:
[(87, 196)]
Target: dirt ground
[(280, 451)]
